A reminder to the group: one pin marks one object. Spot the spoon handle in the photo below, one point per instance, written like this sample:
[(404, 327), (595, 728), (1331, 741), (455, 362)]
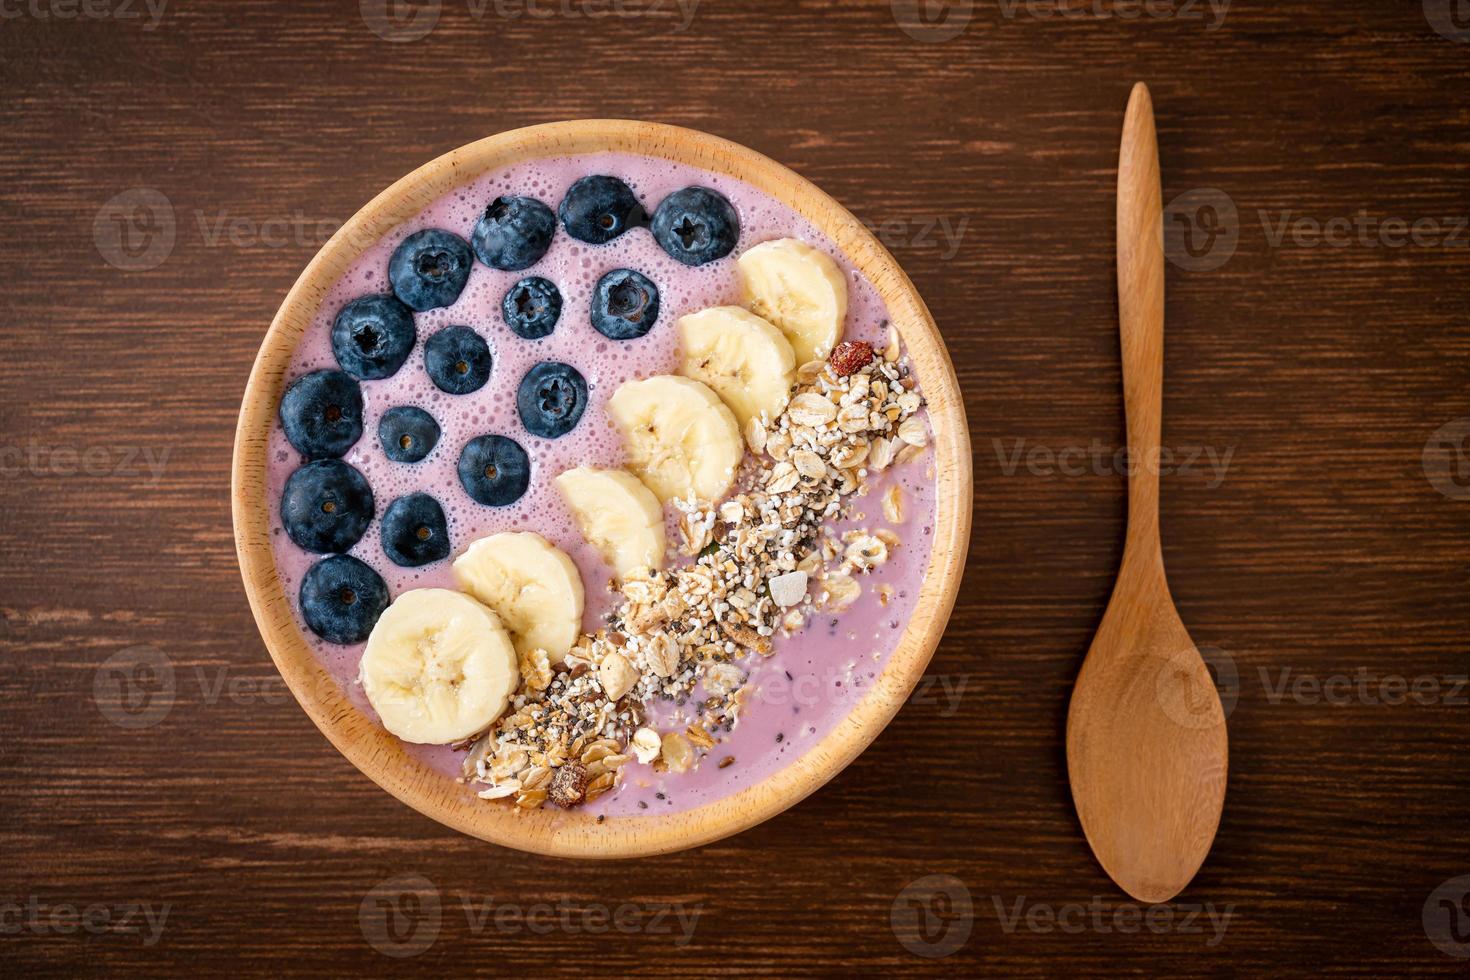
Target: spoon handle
[(1141, 316)]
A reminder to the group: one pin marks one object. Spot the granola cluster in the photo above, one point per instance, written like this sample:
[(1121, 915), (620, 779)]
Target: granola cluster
[(762, 562)]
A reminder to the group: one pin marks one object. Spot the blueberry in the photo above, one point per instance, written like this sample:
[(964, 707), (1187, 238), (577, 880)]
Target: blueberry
[(342, 598), (494, 470), (414, 531), (624, 305), (513, 233), (598, 209), (322, 413), (551, 399), (408, 434), (372, 336), (458, 360), (531, 307), (326, 506), (429, 269), (696, 225)]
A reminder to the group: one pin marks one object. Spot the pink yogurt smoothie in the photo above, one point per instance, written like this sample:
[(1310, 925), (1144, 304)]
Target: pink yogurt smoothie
[(816, 675)]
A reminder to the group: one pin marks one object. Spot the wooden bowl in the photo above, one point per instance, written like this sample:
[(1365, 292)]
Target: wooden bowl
[(548, 830)]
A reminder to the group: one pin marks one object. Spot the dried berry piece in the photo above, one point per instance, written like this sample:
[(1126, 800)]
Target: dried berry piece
[(568, 786), (850, 357)]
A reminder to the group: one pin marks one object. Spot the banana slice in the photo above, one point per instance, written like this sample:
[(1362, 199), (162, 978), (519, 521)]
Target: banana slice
[(680, 438), (800, 290), (747, 361), (439, 667), (532, 584), (618, 516)]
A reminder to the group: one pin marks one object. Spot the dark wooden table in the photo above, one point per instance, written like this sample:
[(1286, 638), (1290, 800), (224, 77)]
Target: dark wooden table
[(165, 174)]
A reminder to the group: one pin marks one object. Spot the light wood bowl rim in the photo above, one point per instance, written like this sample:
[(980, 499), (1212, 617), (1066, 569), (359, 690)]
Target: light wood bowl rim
[(573, 833)]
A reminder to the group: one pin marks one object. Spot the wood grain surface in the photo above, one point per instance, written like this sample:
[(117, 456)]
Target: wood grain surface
[(151, 760)]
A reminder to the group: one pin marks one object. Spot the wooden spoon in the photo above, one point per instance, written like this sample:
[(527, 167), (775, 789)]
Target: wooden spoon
[(1146, 744)]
